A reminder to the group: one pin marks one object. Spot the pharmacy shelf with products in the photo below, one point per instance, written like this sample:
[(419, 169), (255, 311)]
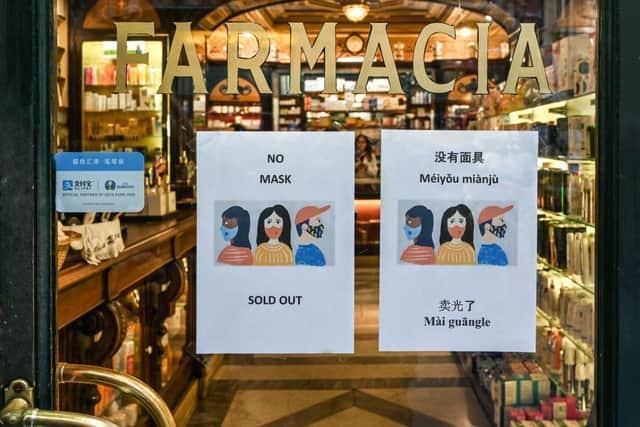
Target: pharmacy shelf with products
[(220, 111), (62, 76), (420, 112), (131, 121), (556, 384), (224, 115), (290, 113), (353, 111)]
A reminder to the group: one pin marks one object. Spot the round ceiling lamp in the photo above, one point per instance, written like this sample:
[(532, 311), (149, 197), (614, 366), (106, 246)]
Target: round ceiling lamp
[(355, 11)]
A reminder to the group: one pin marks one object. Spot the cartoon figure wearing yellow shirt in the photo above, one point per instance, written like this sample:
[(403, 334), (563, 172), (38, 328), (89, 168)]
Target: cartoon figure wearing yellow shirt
[(274, 237), (456, 237)]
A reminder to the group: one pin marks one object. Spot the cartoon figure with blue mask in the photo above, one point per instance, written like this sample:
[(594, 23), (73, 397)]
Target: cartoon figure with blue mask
[(419, 229), (235, 230), (493, 228), (310, 228)]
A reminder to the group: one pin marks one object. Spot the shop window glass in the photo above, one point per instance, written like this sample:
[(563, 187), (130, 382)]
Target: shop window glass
[(554, 383)]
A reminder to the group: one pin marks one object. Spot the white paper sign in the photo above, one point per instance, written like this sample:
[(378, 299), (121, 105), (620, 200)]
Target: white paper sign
[(458, 241), (275, 242)]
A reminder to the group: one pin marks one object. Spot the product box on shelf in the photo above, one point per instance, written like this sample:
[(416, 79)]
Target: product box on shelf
[(569, 246), (581, 190), (552, 182), (581, 137), (520, 389), (557, 411), (573, 62), (546, 423)]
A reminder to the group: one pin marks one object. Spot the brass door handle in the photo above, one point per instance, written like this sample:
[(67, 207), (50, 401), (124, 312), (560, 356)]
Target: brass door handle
[(127, 384), (18, 412)]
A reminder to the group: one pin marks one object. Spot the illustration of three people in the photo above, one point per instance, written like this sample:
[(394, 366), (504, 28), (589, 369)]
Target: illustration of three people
[(273, 237), (456, 236)]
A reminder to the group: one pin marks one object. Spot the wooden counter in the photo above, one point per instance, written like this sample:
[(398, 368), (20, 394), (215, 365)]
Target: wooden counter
[(149, 246)]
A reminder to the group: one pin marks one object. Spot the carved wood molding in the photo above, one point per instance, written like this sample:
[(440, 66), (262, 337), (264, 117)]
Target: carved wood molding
[(92, 339), (103, 331), (166, 287)]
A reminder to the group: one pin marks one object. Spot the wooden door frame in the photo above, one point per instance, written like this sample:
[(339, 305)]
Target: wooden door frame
[(27, 219)]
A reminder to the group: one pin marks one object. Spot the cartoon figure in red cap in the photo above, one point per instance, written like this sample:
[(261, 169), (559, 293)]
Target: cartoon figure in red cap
[(492, 228), (310, 228)]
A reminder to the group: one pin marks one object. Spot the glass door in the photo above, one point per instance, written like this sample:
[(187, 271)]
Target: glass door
[(556, 385)]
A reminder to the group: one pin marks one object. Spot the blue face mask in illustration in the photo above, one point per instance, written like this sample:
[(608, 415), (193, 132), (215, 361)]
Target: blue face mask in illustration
[(228, 233), (499, 231), (412, 232)]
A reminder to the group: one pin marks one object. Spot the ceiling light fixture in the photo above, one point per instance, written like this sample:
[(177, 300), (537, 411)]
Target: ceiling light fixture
[(350, 59), (465, 32), (355, 12)]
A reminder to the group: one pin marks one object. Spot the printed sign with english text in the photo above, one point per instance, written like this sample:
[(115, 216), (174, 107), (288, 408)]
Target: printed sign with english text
[(275, 242), (99, 182)]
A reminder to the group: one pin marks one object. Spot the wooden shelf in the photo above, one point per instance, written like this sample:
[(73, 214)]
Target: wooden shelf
[(124, 112), (579, 345), (234, 114), (149, 246), (234, 103), (568, 218), (119, 138), (110, 86), (359, 111), (571, 277), (561, 98)]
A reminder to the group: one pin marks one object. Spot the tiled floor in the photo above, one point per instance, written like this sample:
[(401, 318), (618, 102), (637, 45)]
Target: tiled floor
[(367, 389)]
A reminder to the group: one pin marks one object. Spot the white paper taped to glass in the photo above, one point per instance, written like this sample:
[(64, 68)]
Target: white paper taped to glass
[(275, 242), (458, 241)]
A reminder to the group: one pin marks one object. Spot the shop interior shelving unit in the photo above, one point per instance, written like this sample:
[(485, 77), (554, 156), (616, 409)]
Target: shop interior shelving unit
[(62, 79), (134, 121), (566, 288)]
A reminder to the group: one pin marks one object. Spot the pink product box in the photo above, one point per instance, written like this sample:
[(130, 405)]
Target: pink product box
[(560, 409), (534, 414), (516, 414)]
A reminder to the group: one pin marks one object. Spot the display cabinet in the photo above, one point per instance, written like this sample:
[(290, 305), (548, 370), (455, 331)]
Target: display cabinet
[(291, 114), (375, 109), (62, 75), (135, 314), (557, 381), (231, 112), (131, 121)]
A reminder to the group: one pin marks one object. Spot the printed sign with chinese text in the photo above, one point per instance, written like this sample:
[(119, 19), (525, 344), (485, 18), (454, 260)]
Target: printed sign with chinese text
[(99, 182), (458, 241)]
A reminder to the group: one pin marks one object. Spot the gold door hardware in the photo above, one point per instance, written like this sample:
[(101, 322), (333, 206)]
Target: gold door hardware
[(127, 384), (19, 412)]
